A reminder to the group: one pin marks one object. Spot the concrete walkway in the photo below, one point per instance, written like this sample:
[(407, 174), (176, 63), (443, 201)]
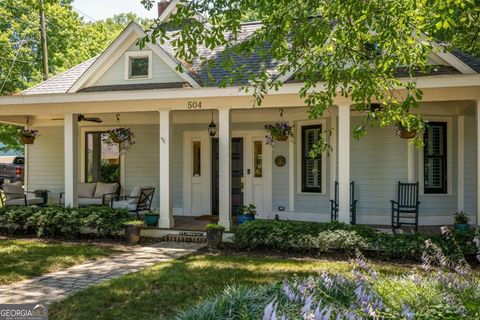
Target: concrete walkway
[(58, 285)]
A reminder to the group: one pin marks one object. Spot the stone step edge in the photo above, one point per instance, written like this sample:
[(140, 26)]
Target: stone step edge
[(184, 238)]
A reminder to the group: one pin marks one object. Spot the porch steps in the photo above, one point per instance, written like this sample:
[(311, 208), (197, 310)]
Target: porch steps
[(197, 237)]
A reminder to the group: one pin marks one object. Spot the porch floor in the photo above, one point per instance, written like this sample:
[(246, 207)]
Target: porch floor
[(190, 223)]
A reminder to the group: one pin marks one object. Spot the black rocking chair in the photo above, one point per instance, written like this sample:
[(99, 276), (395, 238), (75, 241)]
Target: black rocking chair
[(405, 209), (353, 204)]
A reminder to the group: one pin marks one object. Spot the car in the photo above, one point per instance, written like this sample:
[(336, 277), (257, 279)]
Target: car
[(12, 169)]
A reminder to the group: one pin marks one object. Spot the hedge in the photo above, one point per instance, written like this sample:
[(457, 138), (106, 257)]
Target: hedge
[(55, 221), (310, 237)]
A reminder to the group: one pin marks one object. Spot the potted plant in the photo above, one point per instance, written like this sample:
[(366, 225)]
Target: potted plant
[(132, 231), (246, 213), (27, 136), (214, 235), (279, 131), (124, 137), (151, 218), (403, 132), (460, 221)]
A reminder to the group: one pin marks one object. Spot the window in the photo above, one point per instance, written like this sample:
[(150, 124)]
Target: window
[(197, 150), (102, 161), (257, 159), (435, 158), (311, 167), (138, 65)]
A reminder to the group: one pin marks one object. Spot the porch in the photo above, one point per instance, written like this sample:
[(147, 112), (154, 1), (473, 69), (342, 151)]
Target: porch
[(195, 175)]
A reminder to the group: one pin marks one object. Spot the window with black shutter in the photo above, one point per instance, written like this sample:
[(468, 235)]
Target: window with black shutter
[(435, 158), (311, 167)]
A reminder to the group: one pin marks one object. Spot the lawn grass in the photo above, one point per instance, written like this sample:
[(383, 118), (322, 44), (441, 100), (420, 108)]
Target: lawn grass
[(159, 292), (23, 259)]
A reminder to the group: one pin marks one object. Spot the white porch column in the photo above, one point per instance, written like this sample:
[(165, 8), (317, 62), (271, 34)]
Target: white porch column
[(225, 171), (461, 163), (477, 109), (71, 159), (344, 163), (291, 173), (333, 153), (166, 213)]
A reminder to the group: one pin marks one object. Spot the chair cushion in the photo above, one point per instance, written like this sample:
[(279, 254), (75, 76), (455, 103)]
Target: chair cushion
[(124, 204), (105, 188), (21, 202), (86, 190), (90, 201), (15, 189), (135, 195)]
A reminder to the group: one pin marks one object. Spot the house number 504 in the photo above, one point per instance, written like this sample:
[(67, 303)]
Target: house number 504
[(194, 105)]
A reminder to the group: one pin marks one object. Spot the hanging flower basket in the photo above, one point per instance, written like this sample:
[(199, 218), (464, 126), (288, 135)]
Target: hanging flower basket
[(403, 133), (280, 131), (124, 137), (27, 136)]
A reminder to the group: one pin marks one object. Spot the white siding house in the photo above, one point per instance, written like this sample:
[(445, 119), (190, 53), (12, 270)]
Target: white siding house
[(174, 153)]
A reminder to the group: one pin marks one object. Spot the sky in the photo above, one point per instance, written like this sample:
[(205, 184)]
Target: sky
[(101, 9)]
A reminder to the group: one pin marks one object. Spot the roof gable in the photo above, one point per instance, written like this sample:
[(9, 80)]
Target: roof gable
[(115, 53)]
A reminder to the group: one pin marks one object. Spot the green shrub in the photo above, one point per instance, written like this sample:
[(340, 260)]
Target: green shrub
[(323, 237), (54, 221), (106, 221)]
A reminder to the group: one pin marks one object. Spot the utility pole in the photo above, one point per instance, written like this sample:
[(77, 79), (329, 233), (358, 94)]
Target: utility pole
[(43, 39)]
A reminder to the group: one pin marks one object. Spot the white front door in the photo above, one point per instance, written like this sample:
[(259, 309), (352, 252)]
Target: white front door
[(196, 174), (258, 160)]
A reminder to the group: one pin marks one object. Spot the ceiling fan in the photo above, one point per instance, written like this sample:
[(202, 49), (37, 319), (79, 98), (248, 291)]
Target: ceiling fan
[(81, 117)]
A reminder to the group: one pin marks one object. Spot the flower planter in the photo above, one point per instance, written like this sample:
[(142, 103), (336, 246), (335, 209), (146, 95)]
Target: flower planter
[(403, 133), (462, 226), (27, 140), (282, 137), (241, 218), (117, 140), (151, 220), (214, 237), (132, 233)]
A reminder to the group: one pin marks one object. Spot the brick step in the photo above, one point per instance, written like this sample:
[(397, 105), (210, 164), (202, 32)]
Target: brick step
[(197, 237)]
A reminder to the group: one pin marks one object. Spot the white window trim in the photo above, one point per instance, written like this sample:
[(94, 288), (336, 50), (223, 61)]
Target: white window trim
[(138, 54), (298, 139), (421, 176)]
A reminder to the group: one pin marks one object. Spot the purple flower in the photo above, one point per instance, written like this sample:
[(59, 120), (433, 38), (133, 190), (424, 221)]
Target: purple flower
[(407, 313), (270, 312)]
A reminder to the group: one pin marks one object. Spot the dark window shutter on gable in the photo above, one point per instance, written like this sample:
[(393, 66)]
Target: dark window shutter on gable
[(311, 167), (435, 158)]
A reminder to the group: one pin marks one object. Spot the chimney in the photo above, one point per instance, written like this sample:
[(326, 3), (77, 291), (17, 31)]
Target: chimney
[(162, 5)]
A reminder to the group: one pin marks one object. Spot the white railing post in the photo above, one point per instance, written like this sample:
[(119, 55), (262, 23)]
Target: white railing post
[(344, 163), (166, 213), (71, 159), (225, 171)]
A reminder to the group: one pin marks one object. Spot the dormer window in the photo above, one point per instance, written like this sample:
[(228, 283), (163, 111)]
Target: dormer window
[(138, 65)]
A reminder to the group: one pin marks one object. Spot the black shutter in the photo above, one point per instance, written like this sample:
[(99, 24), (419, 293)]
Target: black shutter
[(311, 167), (435, 158)]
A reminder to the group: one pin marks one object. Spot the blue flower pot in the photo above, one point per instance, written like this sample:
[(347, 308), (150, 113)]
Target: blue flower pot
[(151, 220), (241, 218), (462, 226)]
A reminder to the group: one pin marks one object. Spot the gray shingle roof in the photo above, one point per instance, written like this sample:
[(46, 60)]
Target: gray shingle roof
[(61, 82), (211, 77), (469, 60)]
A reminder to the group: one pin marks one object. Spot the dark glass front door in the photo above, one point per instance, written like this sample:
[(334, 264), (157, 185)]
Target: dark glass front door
[(237, 175)]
